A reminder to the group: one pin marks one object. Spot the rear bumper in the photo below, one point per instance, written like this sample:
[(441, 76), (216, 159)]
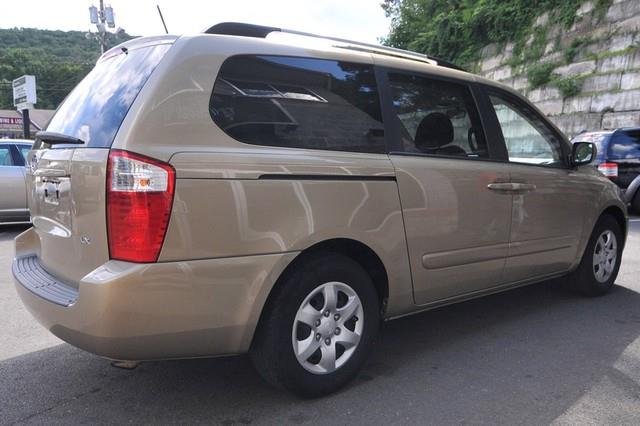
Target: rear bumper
[(167, 310)]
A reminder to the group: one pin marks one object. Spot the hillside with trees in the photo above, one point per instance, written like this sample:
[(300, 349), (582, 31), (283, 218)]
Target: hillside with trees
[(58, 59)]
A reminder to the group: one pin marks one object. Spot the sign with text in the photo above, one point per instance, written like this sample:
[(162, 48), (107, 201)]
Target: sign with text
[(24, 91), (12, 121)]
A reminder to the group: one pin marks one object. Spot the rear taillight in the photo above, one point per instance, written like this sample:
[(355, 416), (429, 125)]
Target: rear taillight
[(610, 170), (139, 199)]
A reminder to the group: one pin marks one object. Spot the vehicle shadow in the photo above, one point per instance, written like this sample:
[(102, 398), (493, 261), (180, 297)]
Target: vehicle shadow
[(525, 356)]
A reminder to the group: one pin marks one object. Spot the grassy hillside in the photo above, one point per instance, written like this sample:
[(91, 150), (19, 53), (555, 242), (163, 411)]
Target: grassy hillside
[(58, 59)]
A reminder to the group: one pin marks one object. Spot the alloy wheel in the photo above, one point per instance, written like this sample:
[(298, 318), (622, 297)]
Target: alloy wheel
[(605, 256), (327, 328)]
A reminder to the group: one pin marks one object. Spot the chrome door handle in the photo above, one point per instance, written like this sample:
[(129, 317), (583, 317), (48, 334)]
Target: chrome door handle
[(511, 186)]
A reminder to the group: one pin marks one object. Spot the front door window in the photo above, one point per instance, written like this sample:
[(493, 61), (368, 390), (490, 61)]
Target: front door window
[(527, 138)]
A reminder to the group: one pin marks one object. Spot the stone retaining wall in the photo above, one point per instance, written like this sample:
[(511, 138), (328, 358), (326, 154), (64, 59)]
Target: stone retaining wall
[(600, 53)]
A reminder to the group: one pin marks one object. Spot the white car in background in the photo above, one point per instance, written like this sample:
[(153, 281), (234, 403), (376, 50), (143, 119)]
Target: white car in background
[(13, 201)]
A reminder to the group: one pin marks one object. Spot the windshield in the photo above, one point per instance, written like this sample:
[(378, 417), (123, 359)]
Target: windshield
[(95, 109)]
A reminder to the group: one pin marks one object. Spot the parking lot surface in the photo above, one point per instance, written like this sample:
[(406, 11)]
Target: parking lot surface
[(534, 355)]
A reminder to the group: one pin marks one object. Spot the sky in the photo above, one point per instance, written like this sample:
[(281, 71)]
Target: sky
[(360, 20)]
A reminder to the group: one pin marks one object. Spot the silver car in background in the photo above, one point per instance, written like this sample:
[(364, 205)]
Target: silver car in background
[(13, 201)]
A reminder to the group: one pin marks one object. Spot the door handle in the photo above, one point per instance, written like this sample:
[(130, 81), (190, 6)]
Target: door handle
[(511, 187)]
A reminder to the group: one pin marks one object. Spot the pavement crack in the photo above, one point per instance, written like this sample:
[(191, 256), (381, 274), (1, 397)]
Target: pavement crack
[(55, 405)]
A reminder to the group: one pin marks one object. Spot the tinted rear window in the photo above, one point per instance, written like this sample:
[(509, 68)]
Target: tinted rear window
[(625, 146), (95, 109), (299, 103)]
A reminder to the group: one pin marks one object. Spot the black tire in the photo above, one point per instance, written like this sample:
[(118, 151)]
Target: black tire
[(635, 203), (272, 349), (583, 280)]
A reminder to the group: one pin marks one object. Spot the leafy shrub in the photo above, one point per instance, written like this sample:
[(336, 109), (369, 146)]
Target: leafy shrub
[(539, 74), (536, 48), (575, 46), (569, 86)]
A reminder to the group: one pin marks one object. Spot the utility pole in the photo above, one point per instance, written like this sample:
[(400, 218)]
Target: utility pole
[(101, 29), (102, 18), (26, 124)]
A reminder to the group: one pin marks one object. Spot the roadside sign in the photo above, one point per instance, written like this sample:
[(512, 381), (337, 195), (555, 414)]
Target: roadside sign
[(24, 92), (14, 121)]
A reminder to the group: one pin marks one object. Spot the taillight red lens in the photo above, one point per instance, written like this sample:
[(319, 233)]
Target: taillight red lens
[(610, 170), (139, 199)]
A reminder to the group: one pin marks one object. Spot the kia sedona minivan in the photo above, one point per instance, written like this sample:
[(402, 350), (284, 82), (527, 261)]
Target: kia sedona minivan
[(251, 191)]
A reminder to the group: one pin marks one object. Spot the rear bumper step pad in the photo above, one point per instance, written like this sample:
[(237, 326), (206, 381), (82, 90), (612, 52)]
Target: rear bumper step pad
[(31, 275)]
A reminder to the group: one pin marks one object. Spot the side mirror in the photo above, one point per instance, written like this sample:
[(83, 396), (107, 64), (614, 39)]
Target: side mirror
[(583, 153)]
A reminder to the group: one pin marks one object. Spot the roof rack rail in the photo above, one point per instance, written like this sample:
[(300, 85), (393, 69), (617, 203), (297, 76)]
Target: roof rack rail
[(262, 31)]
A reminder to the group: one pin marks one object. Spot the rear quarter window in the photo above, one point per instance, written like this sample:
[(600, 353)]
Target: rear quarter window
[(625, 146), (95, 109), (299, 103)]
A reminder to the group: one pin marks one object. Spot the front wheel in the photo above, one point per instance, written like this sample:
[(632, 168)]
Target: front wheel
[(600, 263), (318, 328)]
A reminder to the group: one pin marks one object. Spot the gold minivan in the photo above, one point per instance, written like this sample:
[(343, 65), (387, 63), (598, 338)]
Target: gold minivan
[(252, 189)]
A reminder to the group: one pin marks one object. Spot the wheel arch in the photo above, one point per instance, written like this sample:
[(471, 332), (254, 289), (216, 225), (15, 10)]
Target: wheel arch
[(355, 250), (618, 214), (614, 210), (633, 190)]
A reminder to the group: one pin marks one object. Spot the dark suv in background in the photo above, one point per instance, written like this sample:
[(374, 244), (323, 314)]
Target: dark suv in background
[(619, 159)]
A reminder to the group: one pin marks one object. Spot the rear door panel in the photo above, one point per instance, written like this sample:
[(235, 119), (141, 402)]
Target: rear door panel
[(13, 201), (457, 229)]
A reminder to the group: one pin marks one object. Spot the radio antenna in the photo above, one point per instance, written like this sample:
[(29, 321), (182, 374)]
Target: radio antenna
[(162, 19)]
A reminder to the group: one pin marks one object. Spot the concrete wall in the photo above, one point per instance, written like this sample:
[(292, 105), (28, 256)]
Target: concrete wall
[(606, 67)]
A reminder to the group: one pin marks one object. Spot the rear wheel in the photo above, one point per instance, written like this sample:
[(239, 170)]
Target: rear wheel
[(318, 328), (600, 263)]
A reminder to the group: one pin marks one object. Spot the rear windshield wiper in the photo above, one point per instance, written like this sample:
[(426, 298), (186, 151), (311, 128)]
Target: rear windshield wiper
[(53, 138)]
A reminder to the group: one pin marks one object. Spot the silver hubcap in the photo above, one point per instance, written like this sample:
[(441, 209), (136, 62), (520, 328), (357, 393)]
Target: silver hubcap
[(327, 328), (605, 255)]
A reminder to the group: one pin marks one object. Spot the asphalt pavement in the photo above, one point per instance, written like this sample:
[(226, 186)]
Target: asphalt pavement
[(536, 355)]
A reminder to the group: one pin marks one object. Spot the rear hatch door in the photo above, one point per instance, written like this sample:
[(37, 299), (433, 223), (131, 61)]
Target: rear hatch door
[(67, 170)]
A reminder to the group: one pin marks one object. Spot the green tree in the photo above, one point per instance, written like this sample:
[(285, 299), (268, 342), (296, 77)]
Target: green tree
[(58, 59)]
